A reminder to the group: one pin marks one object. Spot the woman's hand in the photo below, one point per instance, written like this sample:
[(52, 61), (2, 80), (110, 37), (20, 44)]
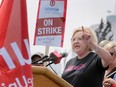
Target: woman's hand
[(108, 82), (87, 37)]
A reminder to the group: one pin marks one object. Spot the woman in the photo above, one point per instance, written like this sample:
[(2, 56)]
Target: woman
[(87, 68), (110, 74)]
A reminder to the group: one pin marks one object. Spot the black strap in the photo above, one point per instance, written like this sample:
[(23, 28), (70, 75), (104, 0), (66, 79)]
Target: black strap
[(111, 73)]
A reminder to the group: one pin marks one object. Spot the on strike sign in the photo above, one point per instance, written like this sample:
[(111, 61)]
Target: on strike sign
[(50, 26)]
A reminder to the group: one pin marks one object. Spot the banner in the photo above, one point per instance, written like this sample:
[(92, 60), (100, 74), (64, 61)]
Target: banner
[(50, 26), (15, 61)]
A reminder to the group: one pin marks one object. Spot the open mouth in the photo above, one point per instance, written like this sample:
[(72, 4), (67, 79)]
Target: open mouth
[(77, 46)]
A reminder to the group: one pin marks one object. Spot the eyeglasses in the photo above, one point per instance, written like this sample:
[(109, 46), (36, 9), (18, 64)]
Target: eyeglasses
[(113, 53)]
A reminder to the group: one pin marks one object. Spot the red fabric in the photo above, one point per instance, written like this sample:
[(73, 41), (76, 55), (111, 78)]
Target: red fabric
[(14, 45), (113, 85)]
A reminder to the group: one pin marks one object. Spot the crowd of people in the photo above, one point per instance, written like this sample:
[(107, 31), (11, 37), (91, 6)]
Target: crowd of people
[(95, 63)]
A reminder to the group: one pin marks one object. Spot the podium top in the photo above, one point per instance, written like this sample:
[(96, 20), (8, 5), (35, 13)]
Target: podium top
[(41, 70)]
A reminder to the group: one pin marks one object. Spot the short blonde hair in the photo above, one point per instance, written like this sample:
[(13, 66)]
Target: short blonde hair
[(111, 44), (103, 43), (87, 30)]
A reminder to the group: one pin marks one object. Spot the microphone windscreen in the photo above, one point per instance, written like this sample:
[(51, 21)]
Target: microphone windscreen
[(64, 54)]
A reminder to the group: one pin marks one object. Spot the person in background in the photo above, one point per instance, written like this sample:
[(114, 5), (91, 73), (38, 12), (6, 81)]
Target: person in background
[(110, 74), (36, 57), (88, 67), (103, 43)]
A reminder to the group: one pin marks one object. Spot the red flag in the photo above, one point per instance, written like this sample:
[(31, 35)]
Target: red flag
[(15, 61)]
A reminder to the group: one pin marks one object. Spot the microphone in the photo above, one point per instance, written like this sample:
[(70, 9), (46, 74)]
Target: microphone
[(56, 57)]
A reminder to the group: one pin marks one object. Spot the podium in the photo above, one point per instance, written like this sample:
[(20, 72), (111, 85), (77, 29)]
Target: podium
[(43, 77)]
